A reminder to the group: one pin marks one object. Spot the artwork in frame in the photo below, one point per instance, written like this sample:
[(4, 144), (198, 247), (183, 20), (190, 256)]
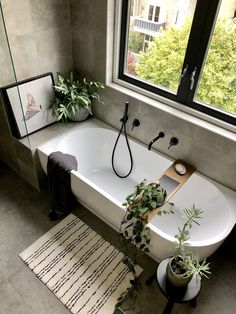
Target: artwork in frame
[(27, 104)]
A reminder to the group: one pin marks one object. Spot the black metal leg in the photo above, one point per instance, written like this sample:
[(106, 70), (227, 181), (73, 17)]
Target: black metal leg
[(150, 279), (169, 307), (193, 302)]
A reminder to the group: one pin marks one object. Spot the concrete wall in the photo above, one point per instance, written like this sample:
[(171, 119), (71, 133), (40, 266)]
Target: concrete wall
[(39, 37), (88, 20), (39, 34), (213, 151)]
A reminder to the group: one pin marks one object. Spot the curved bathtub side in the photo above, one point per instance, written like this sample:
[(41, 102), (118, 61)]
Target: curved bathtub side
[(108, 209), (96, 200), (160, 247)]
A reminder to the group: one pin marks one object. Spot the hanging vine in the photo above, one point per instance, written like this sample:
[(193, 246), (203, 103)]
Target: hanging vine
[(134, 231)]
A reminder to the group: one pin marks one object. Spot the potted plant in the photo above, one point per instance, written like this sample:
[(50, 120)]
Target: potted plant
[(74, 98), (147, 196), (184, 264)]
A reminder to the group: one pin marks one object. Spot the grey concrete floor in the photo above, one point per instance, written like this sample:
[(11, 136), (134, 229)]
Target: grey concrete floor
[(23, 219)]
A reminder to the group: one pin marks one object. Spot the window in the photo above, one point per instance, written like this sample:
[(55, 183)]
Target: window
[(186, 52), (154, 13), (157, 14), (150, 14)]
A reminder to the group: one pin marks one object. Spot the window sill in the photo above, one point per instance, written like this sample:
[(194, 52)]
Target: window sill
[(180, 111)]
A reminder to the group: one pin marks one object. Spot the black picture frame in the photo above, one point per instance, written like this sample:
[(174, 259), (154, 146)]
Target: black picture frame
[(27, 104)]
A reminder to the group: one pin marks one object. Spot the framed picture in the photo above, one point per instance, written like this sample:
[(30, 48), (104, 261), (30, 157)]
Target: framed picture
[(27, 104)]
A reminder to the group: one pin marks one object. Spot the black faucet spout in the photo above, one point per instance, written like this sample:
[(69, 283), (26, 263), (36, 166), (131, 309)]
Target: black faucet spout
[(160, 135)]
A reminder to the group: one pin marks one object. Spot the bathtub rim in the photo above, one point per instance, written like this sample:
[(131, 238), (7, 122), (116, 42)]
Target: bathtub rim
[(96, 123)]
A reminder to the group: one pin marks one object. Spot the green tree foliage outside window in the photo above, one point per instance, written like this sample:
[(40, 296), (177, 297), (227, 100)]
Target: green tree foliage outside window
[(218, 81), (135, 41), (162, 63)]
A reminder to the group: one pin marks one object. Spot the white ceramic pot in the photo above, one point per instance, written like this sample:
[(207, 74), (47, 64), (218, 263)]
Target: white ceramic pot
[(80, 115)]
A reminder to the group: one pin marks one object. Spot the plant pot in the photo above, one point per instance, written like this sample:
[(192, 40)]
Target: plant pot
[(80, 115), (174, 279)]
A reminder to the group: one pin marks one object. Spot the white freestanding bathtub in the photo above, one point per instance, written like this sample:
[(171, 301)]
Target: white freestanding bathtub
[(102, 192)]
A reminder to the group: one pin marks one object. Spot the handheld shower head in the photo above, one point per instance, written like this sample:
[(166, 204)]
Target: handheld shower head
[(125, 117)]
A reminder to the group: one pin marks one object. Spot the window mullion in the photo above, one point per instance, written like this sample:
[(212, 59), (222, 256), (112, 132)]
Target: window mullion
[(124, 23), (203, 20)]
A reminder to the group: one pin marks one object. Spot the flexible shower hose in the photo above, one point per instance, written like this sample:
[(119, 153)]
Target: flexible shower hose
[(123, 126)]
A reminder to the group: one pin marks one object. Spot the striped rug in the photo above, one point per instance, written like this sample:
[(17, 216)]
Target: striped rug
[(84, 271)]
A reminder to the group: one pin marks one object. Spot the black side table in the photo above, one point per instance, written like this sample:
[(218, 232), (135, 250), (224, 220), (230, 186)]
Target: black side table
[(175, 294)]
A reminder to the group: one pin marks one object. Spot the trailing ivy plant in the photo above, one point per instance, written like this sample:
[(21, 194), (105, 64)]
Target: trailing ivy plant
[(147, 196)]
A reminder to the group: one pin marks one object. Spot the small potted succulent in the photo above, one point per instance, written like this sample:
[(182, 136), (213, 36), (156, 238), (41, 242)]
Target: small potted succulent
[(184, 265), (74, 98)]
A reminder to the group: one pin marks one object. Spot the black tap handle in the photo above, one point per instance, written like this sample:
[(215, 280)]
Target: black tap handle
[(173, 142), (135, 124)]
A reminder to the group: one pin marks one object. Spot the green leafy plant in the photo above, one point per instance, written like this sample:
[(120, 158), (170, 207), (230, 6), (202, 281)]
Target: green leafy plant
[(135, 43), (73, 94), (185, 263), (147, 196)]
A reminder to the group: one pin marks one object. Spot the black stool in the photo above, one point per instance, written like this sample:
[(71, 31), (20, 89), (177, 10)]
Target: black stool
[(175, 294)]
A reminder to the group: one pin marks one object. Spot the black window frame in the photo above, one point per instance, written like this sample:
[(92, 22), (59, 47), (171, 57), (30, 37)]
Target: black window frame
[(205, 15)]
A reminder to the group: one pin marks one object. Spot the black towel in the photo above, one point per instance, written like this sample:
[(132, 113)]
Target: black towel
[(59, 167)]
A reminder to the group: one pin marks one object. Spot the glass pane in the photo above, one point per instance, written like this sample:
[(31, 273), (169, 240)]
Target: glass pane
[(8, 77), (217, 86), (150, 14), (158, 61), (157, 13)]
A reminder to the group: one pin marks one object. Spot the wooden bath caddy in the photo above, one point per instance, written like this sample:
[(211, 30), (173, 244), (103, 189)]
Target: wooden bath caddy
[(174, 180)]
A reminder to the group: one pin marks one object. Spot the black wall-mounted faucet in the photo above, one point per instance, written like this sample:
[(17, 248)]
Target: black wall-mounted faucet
[(160, 135), (173, 142)]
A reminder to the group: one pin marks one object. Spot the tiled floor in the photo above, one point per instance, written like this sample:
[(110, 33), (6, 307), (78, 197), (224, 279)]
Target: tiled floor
[(23, 219)]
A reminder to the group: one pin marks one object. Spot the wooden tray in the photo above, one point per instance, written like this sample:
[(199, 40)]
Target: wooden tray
[(179, 180)]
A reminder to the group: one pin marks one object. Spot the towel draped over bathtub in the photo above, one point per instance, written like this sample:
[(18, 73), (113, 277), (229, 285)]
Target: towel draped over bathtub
[(59, 167)]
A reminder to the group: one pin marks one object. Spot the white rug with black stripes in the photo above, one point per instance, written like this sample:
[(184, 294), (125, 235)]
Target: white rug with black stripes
[(84, 271)]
